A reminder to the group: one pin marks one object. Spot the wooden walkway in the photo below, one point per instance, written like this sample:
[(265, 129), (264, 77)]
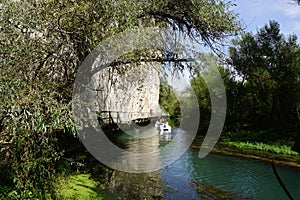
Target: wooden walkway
[(119, 117)]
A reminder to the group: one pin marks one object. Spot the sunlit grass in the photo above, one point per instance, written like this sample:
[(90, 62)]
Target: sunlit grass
[(274, 148), (79, 187)]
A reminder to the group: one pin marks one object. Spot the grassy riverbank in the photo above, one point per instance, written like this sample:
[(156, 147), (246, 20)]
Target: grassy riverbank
[(276, 148), (78, 176), (278, 151), (79, 186)]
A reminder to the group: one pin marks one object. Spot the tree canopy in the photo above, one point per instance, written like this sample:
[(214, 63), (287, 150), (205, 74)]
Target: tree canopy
[(42, 44), (268, 65), (59, 34)]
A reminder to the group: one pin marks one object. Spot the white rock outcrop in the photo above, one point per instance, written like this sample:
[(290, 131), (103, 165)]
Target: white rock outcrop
[(132, 90)]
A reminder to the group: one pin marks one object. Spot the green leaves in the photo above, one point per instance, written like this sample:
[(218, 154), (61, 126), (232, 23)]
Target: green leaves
[(207, 21), (267, 64), (169, 102), (33, 116), (42, 44)]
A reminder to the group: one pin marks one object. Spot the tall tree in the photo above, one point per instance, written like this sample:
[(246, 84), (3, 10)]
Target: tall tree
[(74, 28), (267, 64)]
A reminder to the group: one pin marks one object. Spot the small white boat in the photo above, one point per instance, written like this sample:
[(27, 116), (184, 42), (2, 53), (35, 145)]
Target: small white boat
[(165, 128)]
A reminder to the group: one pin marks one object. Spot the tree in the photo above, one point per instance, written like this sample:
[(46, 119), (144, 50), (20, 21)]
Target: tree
[(207, 85), (267, 64), (42, 44), (74, 28), (202, 94), (169, 102)]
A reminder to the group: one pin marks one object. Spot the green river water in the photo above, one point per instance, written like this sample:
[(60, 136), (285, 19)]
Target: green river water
[(251, 179)]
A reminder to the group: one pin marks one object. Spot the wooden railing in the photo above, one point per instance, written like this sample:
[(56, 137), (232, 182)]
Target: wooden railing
[(106, 116)]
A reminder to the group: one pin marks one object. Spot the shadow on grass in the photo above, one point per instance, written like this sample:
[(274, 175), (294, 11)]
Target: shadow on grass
[(81, 187)]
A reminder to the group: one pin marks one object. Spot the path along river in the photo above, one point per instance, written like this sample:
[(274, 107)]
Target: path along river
[(251, 179)]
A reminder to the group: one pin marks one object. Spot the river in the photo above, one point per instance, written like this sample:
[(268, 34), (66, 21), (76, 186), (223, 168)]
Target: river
[(250, 179)]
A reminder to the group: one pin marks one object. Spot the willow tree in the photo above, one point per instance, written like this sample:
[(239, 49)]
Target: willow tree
[(60, 33), (42, 44)]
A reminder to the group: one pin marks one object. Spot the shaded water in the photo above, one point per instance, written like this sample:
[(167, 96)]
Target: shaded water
[(249, 178)]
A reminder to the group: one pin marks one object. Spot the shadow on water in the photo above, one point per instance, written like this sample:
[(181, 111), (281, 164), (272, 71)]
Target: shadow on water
[(137, 185)]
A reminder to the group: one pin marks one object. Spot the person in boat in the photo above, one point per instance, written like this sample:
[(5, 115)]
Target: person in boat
[(165, 124)]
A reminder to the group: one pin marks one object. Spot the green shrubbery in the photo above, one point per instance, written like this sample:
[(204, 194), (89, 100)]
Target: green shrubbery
[(32, 117), (274, 148), (42, 44), (169, 102)]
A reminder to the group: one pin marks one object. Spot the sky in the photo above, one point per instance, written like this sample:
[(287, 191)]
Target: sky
[(254, 14)]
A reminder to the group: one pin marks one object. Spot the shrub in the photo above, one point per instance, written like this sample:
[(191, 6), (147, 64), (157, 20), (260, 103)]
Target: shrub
[(274, 148), (32, 115)]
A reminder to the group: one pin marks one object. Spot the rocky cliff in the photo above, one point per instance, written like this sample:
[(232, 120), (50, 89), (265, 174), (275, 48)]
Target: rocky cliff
[(132, 90)]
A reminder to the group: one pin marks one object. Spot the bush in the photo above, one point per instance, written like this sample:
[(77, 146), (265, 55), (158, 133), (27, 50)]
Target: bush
[(33, 114), (278, 148)]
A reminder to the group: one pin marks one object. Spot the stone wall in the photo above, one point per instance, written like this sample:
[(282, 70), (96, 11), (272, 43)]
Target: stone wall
[(131, 89)]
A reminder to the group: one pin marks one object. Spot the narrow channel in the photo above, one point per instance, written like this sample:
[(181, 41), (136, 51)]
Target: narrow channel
[(250, 179)]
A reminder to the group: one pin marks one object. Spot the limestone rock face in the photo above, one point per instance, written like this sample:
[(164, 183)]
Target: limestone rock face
[(132, 90)]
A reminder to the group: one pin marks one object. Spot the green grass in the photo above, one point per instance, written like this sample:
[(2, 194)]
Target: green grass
[(274, 148), (79, 187), (72, 187)]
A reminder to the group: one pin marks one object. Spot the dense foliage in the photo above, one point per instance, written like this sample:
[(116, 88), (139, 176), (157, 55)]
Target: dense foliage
[(268, 93), (262, 81), (32, 117), (42, 44), (168, 100), (204, 76)]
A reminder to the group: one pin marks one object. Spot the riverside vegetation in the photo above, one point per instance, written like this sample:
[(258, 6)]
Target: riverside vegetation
[(42, 45), (44, 42)]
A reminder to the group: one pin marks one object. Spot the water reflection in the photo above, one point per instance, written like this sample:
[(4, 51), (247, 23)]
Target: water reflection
[(139, 185), (141, 149), (251, 179)]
